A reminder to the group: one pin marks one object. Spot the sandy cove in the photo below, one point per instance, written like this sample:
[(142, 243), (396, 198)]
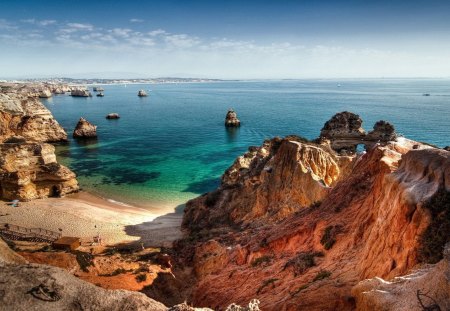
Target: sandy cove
[(85, 215)]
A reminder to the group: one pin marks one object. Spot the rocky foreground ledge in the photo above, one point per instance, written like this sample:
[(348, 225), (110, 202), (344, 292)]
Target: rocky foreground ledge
[(314, 225), (28, 166)]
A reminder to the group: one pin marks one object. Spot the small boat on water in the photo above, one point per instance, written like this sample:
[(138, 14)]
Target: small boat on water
[(426, 94), (98, 89), (100, 94)]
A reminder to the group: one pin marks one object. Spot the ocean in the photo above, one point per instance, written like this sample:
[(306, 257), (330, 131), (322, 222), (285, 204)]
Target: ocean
[(172, 146)]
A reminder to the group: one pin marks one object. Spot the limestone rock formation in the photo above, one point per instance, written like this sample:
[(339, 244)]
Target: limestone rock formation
[(78, 92), (85, 129), (298, 226), (45, 93), (425, 287), (344, 132), (142, 93), (28, 117), (382, 131), (30, 171), (113, 116), (231, 119)]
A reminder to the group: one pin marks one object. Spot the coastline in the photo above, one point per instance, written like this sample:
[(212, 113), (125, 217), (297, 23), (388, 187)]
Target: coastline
[(85, 215)]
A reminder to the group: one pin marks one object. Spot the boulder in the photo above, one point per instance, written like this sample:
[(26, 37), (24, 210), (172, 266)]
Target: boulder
[(231, 120), (113, 115), (85, 129), (142, 93)]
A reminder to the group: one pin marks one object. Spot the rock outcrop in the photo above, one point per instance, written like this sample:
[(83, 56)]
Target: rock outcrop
[(426, 288), (40, 287), (297, 226), (231, 119), (28, 167), (142, 93), (113, 116), (30, 171), (85, 129), (27, 117), (80, 93), (344, 132)]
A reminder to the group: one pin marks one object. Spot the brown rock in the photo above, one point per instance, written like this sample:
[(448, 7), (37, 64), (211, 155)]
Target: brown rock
[(231, 119), (254, 232), (85, 129), (80, 93), (113, 116), (26, 116), (30, 171)]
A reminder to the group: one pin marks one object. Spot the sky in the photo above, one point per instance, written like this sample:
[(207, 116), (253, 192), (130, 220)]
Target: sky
[(231, 39)]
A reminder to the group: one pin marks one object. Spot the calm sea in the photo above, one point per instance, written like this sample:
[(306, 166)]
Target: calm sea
[(172, 146)]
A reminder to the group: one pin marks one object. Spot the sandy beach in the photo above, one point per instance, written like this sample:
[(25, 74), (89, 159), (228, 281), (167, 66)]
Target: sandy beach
[(85, 215)]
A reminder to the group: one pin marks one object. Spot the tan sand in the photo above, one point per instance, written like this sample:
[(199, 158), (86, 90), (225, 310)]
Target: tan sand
[(85, 215)]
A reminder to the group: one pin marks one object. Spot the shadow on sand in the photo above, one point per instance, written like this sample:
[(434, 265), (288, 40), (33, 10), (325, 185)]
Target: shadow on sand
[(160, 232)]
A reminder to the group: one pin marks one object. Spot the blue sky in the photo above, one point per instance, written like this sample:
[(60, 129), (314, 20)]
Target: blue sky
[(225, 39)]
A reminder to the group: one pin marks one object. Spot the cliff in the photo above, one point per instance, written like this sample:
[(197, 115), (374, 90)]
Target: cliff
[(28, 167), (21, 115), (297, 226), (30, 171)]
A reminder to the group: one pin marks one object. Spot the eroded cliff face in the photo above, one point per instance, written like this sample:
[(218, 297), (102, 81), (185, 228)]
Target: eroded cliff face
[(28, 167), (260, 235), (30, 171), (21, 115), (259, 185)]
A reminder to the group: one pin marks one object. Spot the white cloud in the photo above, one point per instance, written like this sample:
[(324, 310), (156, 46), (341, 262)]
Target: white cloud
[(44, 22), (136, 20), (157, 32), (80, 26), (181, 41)]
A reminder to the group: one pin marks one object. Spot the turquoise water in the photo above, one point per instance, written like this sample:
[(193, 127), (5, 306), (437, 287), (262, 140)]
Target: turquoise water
[(172, 146)]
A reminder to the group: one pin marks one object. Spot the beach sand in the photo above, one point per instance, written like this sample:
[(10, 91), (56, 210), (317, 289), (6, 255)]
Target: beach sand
[(85, 215)]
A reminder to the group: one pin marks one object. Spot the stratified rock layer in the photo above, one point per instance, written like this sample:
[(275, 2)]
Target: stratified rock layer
[(297, 226), (25, 116), (30, 171), (423, 288)]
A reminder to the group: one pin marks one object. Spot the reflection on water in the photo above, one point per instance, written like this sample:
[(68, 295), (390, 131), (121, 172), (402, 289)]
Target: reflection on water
[(232, 133)]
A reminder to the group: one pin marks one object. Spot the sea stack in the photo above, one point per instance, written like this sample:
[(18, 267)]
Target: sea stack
[(80, 93), (142, 93), (231, 119), (113, 116), (85, 129)]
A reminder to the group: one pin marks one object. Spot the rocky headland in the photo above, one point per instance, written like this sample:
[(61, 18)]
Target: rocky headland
[(304, 225), (28, 166)]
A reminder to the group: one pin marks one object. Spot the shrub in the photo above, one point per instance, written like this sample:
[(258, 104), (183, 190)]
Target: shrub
[(329, 236), (433, 240), (315, 204), (265, 284), (141, 278), (261, 260), (322, 274), (84, 260), (302, 262)]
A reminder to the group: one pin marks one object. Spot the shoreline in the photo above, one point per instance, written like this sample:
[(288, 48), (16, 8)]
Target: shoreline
[(86, 215)]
